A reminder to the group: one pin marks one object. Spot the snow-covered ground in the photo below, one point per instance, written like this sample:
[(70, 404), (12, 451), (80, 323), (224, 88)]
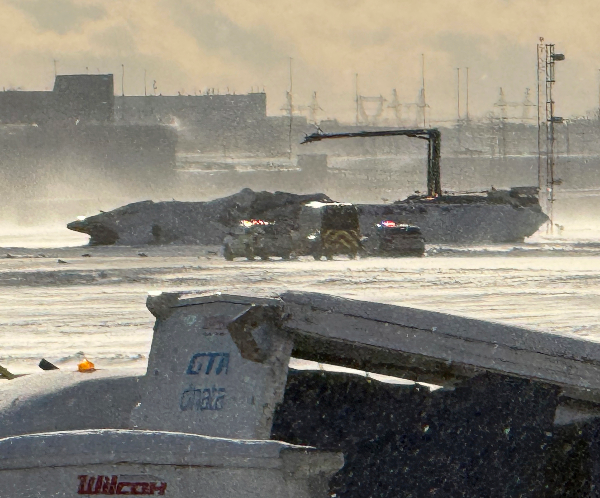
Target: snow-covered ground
[(95, 305)]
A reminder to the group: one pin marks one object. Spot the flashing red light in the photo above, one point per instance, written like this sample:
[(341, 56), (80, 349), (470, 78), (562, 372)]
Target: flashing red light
[(249, 223), (388, 224)]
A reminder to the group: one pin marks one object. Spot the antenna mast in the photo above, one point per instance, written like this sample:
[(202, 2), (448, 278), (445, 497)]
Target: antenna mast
[(423, 100), (291, 105), (291, 78), (356, 98)]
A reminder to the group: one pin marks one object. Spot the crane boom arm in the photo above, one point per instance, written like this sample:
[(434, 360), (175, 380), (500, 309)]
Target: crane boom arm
[(432, 135)]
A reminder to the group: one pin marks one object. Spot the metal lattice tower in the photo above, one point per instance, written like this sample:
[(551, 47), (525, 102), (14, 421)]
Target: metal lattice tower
[(527, 105), (546, 120), (503, 105), (372, 119), (313, 109), (396, 105), (421, 103), (362, 117)]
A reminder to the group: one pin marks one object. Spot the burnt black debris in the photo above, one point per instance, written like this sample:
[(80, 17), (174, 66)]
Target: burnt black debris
[(491, 436), (46, 365)]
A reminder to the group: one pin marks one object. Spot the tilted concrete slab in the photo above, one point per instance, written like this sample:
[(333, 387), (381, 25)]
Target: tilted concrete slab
[(153, 463), (207, 376), (434, 347)]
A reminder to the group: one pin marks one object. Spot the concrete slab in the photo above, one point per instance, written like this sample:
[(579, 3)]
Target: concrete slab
[(121, 462), (434, 347), (58, 401), (208, 375)]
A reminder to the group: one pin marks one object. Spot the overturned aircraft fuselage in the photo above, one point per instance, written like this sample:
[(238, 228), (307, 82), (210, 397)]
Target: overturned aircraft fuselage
[(495, 217)]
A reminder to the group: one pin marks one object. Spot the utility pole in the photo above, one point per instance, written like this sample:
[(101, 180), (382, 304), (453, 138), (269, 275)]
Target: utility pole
[(356, 97), (291, 78), (458, 92), (55, 61), (467, 117), (145, 92), (502, 104), (122, 79), (599, 100), (291, 103), (423, 87)]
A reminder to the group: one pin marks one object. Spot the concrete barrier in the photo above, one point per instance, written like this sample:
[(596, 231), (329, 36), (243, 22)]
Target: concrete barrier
[(207, 375), (122, 462), (437, 348)]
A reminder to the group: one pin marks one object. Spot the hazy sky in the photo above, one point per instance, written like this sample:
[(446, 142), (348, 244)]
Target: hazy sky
[(190, 45)]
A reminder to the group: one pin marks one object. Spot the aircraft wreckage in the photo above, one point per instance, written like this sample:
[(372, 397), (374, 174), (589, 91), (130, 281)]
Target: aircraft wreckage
[(493, 217), (217, 402)]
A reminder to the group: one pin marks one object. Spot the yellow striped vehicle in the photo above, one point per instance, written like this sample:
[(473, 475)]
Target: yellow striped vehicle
[(340, 242)]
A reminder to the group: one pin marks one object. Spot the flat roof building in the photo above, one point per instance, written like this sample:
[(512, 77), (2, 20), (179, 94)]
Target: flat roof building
[(75, 98)]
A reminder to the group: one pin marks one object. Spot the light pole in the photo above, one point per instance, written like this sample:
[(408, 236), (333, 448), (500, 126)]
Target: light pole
[(458, 93), (467, 117)]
